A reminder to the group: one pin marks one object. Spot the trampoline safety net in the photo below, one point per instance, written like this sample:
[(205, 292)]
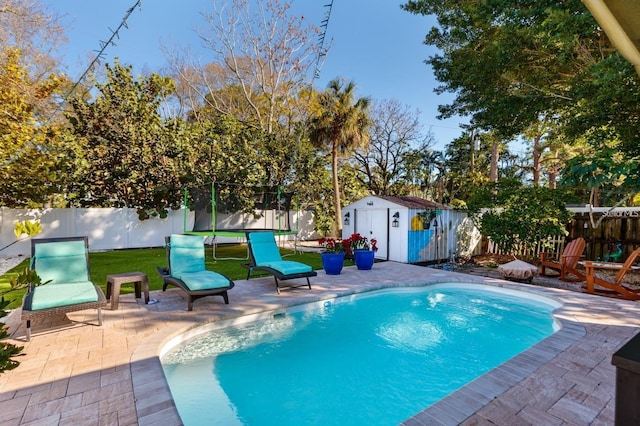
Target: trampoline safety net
[(222, 207)]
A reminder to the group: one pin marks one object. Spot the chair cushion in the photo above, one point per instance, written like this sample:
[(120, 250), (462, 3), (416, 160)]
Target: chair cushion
[(186, 254), (203, 280), (56, 295), (60, 248), (288, 267), (61, 262), (264, 248)]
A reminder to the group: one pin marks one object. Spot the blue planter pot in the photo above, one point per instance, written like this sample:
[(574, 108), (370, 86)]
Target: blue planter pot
[(332, 263), (364, 259)]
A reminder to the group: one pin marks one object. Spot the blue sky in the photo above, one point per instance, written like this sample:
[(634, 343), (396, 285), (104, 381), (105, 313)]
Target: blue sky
[(374, 43)]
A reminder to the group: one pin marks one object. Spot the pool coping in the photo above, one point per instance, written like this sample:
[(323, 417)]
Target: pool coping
[(154, 402), (469, 399)]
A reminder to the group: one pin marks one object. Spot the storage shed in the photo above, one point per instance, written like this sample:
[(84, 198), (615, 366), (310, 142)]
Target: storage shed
[(408, 229)]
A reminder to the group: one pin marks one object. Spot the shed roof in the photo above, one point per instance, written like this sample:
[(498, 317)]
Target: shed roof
[(413, 202)]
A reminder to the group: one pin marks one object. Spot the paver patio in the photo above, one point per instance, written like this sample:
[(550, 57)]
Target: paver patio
[(111, 375)]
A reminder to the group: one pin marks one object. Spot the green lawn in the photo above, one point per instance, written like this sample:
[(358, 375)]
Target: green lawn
[(146, 260)]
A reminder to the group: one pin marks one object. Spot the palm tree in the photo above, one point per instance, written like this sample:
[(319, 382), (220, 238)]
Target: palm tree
[(340, 126)]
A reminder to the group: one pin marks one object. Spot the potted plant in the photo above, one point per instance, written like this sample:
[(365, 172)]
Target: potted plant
[(364, 250), (333, 255)]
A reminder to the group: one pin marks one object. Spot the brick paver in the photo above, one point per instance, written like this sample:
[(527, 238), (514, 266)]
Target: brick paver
[(111, 375)]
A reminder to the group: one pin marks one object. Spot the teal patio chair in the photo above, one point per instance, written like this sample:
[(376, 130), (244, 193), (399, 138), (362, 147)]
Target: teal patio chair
[(264, 255), (186, 270), (63, 264)]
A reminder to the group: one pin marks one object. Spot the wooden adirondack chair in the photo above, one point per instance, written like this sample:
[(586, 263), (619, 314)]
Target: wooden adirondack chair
[(566, 263), (614, 286)]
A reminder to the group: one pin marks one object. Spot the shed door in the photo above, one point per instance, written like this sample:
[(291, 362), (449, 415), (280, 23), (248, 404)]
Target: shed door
[(373, 223)]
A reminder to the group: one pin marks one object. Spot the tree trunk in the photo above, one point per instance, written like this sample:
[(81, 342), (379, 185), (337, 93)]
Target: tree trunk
[(472, 153), (536, 160), (336, 190), (595, 198), (553, 183), (495, 155), (553, 171)]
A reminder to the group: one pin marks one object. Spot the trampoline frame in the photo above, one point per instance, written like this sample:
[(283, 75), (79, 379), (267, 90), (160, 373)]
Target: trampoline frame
[(236, 233)]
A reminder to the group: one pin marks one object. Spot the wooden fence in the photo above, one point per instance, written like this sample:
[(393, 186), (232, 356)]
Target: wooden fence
[(619, 227), (552, 245)]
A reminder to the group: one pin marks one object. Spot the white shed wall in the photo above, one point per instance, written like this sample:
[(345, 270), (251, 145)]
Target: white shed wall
[(373, 216)]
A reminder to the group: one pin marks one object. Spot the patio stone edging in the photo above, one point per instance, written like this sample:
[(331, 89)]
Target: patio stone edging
[(154, 402)]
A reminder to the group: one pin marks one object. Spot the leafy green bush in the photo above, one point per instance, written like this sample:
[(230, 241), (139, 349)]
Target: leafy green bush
[(515, 216), (8, 350)]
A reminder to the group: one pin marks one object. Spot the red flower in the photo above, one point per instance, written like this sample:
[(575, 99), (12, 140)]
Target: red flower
[(359, 242), (332, 245), (347, 246)]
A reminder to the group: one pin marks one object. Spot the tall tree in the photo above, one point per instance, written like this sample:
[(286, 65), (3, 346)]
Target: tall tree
[(30, 166), (263, 56), (532, 55), (339, 126), (223, 150), (392, 156), (540, 60), (127, 149), (30, 170), (434, 174), (37, 32), (258, 70)]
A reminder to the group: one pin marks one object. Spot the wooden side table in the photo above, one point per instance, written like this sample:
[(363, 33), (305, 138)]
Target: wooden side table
[(114, 281)]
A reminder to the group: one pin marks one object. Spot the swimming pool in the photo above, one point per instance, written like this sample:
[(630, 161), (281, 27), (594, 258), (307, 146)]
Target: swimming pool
[(374, 358)]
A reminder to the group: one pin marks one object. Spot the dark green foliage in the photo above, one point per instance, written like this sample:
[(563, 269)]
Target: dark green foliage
[(8, 350), (507, 63), (26, 278), (515, 65), (615, 177), (19, 281), (516, 216), (608, 109), (127, 152)]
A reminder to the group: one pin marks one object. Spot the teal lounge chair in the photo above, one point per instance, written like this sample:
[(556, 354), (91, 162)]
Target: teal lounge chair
[(186, 270), (63, 264), (264, 255)]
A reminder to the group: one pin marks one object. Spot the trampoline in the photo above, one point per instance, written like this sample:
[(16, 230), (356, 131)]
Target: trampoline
[(224, 210)]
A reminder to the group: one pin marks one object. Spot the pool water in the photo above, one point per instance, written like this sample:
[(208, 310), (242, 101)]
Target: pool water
[(377, 359)]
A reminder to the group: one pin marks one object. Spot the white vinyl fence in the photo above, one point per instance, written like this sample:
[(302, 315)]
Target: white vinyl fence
[(107, 228), (110, 228)]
